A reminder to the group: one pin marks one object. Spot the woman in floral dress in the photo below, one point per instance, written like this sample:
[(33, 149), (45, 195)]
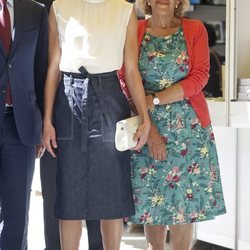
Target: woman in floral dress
[(175, 177)]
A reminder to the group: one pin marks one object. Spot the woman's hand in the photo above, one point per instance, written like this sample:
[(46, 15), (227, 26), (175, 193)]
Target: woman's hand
[(40, 150), (156, 145), (49, 138), (141, 135)]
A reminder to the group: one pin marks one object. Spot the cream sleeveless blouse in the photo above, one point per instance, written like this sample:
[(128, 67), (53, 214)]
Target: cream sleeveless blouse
[(92, 33)]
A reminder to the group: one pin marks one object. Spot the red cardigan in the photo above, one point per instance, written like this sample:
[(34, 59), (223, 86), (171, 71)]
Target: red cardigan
[(198, 51)]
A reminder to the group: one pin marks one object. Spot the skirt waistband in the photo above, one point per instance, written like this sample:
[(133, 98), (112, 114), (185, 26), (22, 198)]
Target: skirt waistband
[(85, 74)]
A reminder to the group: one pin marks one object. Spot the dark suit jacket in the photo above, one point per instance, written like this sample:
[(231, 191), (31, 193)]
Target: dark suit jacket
[(47, 3), (25, 68)]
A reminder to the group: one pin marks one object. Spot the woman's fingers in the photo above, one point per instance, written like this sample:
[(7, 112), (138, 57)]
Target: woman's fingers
[(158, 151), (49, 138), (140, 136), (139, 132), (40, 150), (49, 146), (53, 142)]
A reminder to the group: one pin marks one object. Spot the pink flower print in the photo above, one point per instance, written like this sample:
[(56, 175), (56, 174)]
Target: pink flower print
[(178, 60), (193, 216), (195, 165), (193, 220), (184, 152), (164, 139), (194, 123), (185, 57), (146, 217), (173, 175), (143, 172), (151, 166), (181, 69), (175, 169), (182, 58), (212, 136), (169, 177), (171, 185), (196, 169), (184, 54), (175, 178), (152, 55), (179, 123), (213, 173), (214, 202), (193, 126), (184, 149)]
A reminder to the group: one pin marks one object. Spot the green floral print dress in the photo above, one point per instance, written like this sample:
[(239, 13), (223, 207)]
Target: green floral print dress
[(186, 187)]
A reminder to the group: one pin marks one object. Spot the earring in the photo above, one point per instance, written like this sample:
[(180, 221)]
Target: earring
[(148, 2)]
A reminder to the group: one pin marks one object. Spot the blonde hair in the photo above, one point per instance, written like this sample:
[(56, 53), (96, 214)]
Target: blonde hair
[(183, 6)]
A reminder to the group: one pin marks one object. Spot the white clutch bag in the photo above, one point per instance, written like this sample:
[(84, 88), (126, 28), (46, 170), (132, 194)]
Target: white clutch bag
[(125, 130)]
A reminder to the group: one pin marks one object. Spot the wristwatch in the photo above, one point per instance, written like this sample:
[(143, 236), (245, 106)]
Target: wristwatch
[(156, 100)]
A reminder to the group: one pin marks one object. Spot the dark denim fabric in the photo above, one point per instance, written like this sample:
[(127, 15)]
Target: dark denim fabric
[(93, 178), (48, 166), (72, 101)]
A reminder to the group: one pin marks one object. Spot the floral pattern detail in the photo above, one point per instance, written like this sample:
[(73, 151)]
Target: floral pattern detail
[(186, 187)]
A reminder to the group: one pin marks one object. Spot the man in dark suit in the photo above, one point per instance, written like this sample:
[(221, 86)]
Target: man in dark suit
[(48, 184), (23, 65)]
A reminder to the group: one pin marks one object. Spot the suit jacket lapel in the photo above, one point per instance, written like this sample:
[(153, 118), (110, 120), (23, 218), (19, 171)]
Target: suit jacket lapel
[(19, 12)]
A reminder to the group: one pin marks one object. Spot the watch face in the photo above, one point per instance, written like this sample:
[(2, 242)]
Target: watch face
[(156, 101)]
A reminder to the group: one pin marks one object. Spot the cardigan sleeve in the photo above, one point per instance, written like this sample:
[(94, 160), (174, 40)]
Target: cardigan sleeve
[(198, 50), (121, 76)]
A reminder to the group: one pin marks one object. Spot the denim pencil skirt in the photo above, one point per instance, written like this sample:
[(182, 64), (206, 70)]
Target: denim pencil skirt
[(93, 178)]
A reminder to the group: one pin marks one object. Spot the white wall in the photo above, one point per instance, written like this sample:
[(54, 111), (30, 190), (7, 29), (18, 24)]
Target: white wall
[(243, 43)]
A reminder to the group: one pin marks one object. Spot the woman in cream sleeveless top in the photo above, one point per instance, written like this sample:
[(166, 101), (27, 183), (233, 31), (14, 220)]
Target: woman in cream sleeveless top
[(88, 42)]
